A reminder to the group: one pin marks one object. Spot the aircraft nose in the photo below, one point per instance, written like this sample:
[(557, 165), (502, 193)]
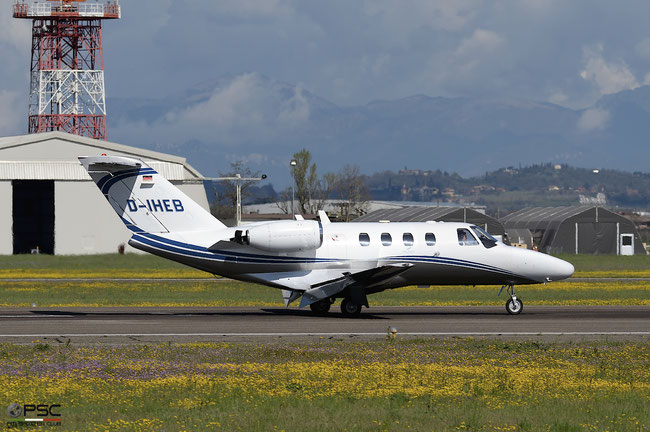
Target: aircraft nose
[(559, 269)]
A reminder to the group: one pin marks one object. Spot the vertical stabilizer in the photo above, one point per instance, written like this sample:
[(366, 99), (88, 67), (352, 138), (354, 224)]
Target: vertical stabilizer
[(145, 200)]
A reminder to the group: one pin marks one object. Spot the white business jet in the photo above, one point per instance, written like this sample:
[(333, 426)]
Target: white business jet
[(316, 261)]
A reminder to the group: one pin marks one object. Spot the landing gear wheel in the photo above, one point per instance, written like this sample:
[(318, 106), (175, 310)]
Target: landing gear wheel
[(514, 306), (321, 307), (349, 308)]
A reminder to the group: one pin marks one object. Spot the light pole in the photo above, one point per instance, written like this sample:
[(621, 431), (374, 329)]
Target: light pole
[(238, 178), (293, 163)]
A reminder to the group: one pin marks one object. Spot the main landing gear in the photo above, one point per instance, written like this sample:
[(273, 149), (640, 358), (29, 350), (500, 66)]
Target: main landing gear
[(350, 308), (514, 305), (321, 307)]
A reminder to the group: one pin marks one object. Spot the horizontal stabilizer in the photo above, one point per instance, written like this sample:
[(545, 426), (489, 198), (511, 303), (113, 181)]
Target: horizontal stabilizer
[(109, 164)]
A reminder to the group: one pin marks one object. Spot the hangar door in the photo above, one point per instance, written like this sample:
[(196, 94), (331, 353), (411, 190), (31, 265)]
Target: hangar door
[(596, 238), (33, 216)]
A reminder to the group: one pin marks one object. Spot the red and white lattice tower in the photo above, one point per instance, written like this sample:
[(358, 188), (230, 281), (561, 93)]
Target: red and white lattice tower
[(67, 68)]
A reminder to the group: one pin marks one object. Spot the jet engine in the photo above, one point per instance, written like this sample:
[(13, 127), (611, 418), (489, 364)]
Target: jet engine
[(282, 236)]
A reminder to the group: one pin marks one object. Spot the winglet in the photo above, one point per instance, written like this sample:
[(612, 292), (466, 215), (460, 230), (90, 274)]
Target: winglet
[(323, 217)]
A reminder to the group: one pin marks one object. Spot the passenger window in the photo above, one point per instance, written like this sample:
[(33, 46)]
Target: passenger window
[(364, 239), (430, 239), (408, 239), (465, 238), (386, 239)]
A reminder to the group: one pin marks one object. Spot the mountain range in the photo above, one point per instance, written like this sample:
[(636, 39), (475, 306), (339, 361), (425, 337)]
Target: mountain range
[(263, 122)]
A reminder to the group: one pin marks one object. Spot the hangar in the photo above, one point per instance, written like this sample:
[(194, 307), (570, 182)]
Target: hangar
[(52, 205), (444, 214), (576, 230)]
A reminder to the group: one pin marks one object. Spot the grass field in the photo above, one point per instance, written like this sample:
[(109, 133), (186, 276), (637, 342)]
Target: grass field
[(453, 384), (214, 292)]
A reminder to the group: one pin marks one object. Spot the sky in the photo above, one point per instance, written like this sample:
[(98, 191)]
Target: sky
[(352, 52)]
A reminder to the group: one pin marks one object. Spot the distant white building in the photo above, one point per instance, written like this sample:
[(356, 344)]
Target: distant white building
[(50, 204)]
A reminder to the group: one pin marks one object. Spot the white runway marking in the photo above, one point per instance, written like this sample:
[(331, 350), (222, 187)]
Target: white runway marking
[(643, 333)]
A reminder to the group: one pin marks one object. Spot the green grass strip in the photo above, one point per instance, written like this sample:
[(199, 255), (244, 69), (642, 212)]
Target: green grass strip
[(435, 384), (232, 293)]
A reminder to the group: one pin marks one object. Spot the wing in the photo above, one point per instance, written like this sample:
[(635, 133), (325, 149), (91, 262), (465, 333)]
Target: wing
[(317, 285)]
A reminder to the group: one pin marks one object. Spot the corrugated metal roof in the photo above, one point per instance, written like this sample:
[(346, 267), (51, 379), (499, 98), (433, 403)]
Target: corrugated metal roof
[(407, 214), (64, 170), (104, 146), (542, 218)]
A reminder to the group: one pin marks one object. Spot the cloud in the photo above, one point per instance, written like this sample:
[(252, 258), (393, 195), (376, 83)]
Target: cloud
[(435, 14), (256, 159), (609, 77), (295, 110), (238, 104), (246, 102), (252, 8), (480, 43), (11, 118), (470, 60), (558, 97), (642, 49), (247, 108), (593, 119), (14, 32)]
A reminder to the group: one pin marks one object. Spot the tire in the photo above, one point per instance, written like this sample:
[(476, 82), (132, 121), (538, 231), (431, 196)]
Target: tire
[(321, 307), (349, 308), (514, 308)]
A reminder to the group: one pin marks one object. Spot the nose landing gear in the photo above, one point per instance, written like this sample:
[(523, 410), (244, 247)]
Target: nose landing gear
[(514, 305)]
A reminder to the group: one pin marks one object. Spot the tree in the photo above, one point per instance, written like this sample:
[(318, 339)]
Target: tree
[(311, 191), (352, 190)]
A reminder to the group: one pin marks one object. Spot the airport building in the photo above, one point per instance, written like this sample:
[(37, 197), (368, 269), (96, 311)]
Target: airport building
[(51, 204), (574, 229)]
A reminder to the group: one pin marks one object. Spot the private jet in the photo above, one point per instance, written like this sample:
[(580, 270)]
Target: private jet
[(316, 261)]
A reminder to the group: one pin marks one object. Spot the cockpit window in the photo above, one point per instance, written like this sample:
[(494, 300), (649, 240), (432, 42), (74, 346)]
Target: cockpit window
[(408, 239), (465, 238), (364, 239), (485, 238), (386, 239)]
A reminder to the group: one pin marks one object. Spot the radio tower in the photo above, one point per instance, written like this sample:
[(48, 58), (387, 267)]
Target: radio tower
[(67, 69)]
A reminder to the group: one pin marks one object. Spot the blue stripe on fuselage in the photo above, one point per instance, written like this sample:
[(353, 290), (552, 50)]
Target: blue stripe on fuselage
[(194, 251)]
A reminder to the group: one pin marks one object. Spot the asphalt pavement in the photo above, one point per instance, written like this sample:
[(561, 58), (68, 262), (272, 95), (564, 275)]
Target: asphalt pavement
[(127, 325)]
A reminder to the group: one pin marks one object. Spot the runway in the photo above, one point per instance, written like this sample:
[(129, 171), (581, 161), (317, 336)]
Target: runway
[(120, 325)]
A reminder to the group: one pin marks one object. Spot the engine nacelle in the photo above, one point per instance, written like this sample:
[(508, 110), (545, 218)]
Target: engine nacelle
[(283, 236)]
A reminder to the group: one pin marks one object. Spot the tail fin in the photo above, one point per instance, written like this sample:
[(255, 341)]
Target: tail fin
[(144, 200)]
